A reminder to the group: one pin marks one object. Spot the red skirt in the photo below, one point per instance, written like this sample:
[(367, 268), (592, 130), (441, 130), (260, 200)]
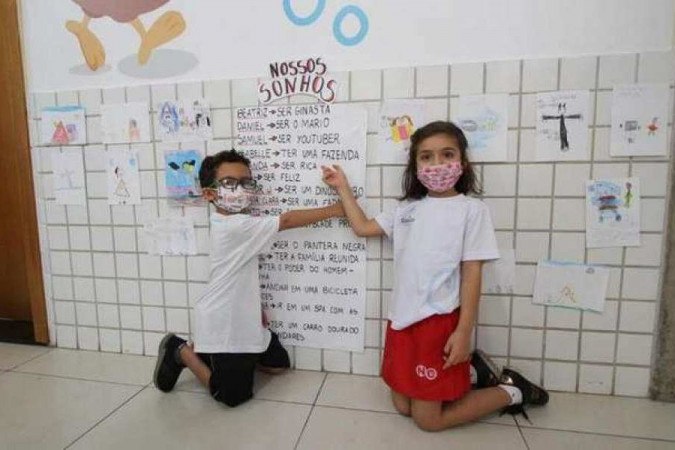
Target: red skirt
[(413, 361)]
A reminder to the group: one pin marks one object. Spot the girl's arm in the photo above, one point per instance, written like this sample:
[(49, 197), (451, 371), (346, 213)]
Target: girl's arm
[(301, 217), (361, 225), (458, 347)]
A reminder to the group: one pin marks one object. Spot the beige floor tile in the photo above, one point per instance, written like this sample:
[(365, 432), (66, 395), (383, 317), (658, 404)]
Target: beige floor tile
[(357, 392), (12, 355), (333, 428), (45, 412), (98, 366), (299, 386), (566, 440), (185, 420), (620, 416)]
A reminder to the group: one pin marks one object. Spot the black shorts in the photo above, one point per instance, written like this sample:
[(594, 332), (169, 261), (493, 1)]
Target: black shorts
[(232, 373)]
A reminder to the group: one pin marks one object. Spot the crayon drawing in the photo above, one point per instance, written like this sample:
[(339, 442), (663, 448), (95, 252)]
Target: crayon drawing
[(129, 122), (483, 118), (170, 236), (182, 177), (184, 121), (613, 213), (570, 285), (63, 125), (398, 120), (68, 177), (562, 126), (123, 178)]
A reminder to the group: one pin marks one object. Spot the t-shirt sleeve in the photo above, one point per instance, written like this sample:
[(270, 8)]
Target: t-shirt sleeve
[(259, 233), (480, 242), (386, 221)]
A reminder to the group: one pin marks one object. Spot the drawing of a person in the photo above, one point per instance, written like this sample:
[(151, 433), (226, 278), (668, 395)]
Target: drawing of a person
[(134, 131), (166, 28), (121, 189), (168, 118), (628, 196), (401, 128), (653, 127)]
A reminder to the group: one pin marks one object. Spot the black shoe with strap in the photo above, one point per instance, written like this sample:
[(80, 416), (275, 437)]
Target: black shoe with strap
[(487, 373), (532, 394), (167, 369)]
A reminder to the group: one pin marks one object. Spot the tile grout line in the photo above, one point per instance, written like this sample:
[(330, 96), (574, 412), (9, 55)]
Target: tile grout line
[(104, 418), (311, 410), (64, 377)]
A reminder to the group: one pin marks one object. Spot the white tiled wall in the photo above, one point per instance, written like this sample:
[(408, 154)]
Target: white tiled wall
[(106, 294)]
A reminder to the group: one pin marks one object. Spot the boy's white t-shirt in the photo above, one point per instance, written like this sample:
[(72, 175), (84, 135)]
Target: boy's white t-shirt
[(228, 315), (431, 237)]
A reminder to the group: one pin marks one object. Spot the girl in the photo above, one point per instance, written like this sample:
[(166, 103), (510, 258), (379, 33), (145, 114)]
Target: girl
[(230, 339), (441, 238)]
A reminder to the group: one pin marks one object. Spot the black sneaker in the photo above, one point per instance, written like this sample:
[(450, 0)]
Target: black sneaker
[(532, 394), (167, 369), (487, 373)]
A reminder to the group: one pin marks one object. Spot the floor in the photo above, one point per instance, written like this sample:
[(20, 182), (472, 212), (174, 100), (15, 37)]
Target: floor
[(55, 399)]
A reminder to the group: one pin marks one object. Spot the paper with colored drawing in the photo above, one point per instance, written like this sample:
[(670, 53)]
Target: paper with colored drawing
[(570, 285), (123, 177), (483, 118), (126, 122), (613, 213), (68, 177), (170, 236), (397, 121), (63, 125)]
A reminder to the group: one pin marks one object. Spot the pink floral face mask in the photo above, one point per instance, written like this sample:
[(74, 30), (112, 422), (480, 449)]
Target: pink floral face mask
[(440, 178)]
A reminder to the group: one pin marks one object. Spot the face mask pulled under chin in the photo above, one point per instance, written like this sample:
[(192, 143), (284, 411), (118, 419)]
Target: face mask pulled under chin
[(233, 201)]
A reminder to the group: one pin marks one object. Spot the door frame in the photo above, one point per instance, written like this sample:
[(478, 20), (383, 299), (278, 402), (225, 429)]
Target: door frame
[(13, 87)]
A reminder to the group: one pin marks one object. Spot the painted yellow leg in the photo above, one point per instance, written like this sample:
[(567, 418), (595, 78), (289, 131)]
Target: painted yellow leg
[(91, 47), (167, 27)]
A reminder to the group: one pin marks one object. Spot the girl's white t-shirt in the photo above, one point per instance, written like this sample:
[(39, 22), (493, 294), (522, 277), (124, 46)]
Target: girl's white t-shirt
[(228, 315), (431, 237)]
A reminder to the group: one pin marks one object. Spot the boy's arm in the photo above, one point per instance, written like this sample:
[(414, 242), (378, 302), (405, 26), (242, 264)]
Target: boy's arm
[(301, 217)]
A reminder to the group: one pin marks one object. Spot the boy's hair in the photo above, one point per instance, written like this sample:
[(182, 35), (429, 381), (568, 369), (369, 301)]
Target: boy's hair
[(207, 172), (467, 183)]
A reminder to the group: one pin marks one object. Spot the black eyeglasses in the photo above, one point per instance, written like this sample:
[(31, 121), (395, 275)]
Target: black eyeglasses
[(231, 183)]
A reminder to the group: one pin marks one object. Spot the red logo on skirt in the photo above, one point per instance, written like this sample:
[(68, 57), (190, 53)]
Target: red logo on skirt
[(426, 372)]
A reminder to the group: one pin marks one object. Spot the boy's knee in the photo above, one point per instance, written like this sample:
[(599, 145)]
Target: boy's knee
[(231, 398)]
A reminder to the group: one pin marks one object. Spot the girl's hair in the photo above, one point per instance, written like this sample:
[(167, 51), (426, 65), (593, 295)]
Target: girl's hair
[(207, 172), (467, 183)]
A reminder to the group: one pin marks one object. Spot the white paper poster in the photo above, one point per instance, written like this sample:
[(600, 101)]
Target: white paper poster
[(170, 236), (184, 121), (499, 275), (398, 120), (613, 213), (562, 126), (123, 178), (484, 120), (640, 120), (313, 280), (68, 177), (571, 285), (126, 122), (63, 125)]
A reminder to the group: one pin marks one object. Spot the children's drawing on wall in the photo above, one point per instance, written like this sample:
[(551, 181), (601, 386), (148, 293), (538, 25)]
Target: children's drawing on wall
[(570, 285), (164, 29), (123, 178), (68, 177), (499, 276), (562, 125), (63, 125), (170, 236), (182, 177), (639, 120), (128, 122), (184, 121), (613, 213), (483, 118), (398, 120)]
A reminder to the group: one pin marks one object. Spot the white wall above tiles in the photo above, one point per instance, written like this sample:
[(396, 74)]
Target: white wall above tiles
[(404, 34), (106, 294)]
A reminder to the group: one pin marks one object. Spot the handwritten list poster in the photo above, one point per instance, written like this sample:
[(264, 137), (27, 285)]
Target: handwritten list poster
[(313, 280)]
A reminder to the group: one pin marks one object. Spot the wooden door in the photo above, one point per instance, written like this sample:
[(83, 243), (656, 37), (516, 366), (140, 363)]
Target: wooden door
[(21, 289)]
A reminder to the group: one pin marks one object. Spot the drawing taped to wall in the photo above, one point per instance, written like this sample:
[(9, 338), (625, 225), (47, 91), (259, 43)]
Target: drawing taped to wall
[(613, 213), (398, 120), (562, 126), (570, 285), (128, 122), (68, 177), (483, 118), (63, 125), (182, 177), (170, 236), (184, 121), (639, 120), (123, 177)]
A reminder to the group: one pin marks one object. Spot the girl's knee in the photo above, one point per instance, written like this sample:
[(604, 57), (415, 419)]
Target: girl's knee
[(401, 403), (427, 422)]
